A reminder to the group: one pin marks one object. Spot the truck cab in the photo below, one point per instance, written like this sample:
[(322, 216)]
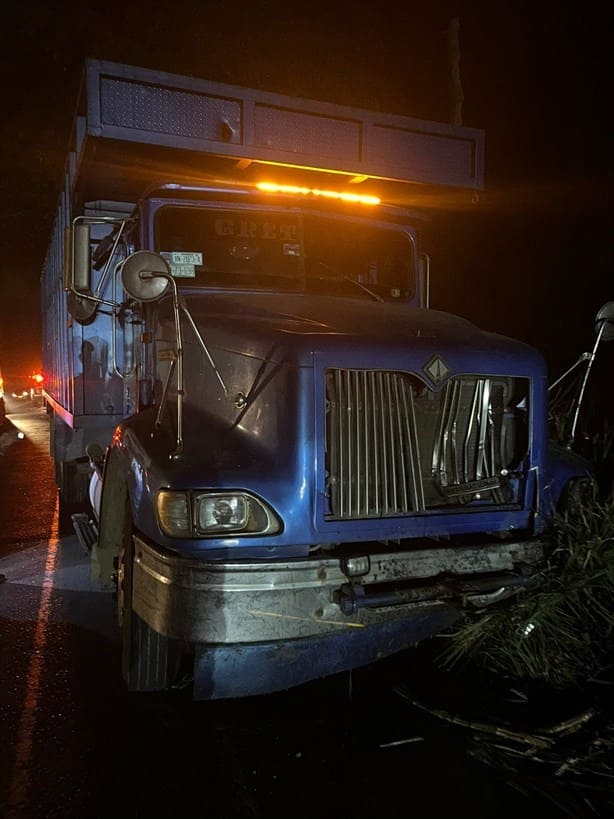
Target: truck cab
[(295, 465)]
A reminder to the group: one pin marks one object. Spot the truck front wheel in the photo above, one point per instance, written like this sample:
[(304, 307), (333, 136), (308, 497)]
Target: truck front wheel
[(150, 661), (71, 480)]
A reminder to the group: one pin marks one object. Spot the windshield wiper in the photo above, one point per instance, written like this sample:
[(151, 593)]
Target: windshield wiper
[(339, 275)]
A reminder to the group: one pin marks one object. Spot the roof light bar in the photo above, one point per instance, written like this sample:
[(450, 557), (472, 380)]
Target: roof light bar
[(362, 199)]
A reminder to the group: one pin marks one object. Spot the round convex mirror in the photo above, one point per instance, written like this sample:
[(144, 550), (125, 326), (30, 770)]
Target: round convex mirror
[(139, 275)]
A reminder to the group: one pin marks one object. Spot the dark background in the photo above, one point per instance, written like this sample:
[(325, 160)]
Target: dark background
[(532, 259)]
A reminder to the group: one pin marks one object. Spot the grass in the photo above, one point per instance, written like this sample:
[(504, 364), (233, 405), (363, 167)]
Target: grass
[(562, 632), (553, 648)]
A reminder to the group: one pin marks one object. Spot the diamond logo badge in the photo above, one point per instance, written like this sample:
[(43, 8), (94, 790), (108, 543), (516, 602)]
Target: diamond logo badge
[(436, 369)]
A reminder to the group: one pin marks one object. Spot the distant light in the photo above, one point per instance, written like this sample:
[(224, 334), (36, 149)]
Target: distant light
[(37, 377), (20, 435), (528, 629), (359, 198)]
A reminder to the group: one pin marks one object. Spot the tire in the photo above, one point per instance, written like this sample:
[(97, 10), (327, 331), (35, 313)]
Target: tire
[(150, 661), (72, 494), (72, 480)]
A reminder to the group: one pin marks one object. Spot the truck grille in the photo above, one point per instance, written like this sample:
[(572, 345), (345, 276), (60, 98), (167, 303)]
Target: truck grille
[(395, 447)]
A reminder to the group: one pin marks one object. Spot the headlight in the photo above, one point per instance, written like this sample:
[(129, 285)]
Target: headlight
[(233, 513), (174, 513), (188, 514)]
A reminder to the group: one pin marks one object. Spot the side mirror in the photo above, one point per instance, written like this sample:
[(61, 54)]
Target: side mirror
[(145, 276), (604, 322), (82, 309), (77, 269), (78, 273)]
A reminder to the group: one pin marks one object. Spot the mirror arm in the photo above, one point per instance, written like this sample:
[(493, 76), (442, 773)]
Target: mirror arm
[(581, 359), (171, 370), (105, 273), (148, 274), (192, 323), (591, 358)]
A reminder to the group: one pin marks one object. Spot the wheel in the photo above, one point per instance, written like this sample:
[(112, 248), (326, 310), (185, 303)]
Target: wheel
[(72, 495), (150, 661), (72, 479)]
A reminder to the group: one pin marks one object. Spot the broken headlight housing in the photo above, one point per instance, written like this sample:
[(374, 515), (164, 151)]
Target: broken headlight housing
[(214, 514)]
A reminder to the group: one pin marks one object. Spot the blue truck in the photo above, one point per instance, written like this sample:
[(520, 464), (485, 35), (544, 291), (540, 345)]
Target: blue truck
[(294, 465)]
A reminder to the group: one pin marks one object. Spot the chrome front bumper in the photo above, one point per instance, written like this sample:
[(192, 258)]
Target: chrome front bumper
[(242, 603)]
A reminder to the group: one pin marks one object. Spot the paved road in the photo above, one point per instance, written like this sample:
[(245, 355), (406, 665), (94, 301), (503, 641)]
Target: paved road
[(74, 743)]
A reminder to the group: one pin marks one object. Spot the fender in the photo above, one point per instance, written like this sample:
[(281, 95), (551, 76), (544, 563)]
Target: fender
[(571, 478), (112, 517)]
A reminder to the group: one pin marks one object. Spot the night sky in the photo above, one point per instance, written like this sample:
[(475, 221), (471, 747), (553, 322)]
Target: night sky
[(532, 259)]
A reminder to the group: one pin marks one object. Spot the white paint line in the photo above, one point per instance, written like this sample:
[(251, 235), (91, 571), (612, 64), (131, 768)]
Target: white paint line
[(22, 768)]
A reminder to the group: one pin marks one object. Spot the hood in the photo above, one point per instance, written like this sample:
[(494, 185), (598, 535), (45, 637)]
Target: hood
[(278, 327)]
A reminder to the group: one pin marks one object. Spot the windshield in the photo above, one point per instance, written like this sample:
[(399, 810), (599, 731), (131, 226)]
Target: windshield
[(288, 252)]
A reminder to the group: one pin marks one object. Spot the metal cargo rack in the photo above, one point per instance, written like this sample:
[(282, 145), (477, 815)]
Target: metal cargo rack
[(135, 126)]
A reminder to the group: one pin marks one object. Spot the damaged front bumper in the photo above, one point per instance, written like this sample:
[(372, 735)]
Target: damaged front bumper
[(262, 626)]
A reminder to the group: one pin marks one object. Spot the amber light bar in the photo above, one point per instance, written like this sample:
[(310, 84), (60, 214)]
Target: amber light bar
[(363, 199)]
